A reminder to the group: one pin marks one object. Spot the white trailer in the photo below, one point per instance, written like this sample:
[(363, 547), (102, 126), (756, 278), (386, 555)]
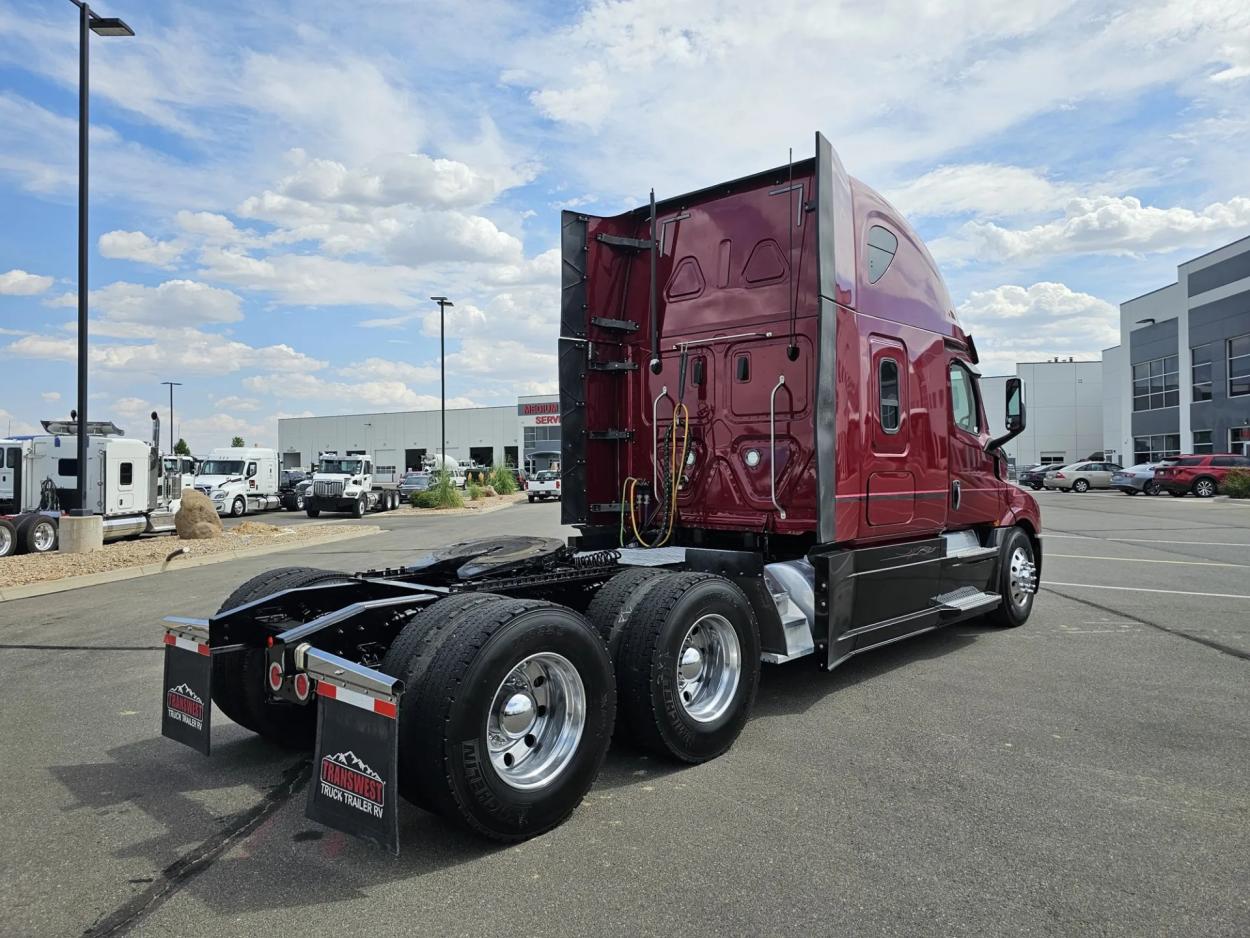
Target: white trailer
[(240, 479)]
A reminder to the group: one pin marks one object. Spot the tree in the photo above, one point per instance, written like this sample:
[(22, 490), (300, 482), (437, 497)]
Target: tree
[(237, 442), (181, 448)]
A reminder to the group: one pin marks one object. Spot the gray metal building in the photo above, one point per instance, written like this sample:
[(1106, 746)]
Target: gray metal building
[(1182, 369), (1065, 411), (525, 434)]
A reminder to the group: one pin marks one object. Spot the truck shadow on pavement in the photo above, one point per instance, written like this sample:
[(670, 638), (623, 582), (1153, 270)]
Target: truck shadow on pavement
[(236, 853)]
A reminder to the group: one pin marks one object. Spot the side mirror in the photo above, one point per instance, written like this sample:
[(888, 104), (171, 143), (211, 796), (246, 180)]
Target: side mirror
[(1015, 405)]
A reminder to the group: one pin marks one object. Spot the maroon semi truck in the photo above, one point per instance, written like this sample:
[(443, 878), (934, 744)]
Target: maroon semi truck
[(774, 447)]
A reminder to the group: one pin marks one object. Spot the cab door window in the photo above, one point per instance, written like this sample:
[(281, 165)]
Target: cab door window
[(964, 399)]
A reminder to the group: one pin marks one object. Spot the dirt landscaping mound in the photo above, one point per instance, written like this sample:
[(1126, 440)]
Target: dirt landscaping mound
[(197, 519)]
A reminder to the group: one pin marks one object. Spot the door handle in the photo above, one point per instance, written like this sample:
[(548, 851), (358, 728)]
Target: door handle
[(955, 495)]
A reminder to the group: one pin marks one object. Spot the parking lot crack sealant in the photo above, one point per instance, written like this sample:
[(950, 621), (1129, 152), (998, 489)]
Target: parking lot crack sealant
[(187, 867), (1209, 643)]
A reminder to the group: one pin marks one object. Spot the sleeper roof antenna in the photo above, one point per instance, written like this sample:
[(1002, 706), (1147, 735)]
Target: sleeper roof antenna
[(792, 350), (655, 305)]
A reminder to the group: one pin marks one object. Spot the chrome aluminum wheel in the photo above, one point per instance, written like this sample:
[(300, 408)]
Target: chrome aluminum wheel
[(6, 541), (44, 536), (709, 667), (536, 720), (1023, 577), (1204, 488)]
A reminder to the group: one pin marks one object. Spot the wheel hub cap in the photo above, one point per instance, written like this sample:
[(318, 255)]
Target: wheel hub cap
[(45, 534), (709, 667), (535, 721), (1023, 576)]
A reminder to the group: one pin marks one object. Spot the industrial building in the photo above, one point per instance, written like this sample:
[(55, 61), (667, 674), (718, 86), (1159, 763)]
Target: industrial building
[(1065, 411), (525, 434), (1180, 378)]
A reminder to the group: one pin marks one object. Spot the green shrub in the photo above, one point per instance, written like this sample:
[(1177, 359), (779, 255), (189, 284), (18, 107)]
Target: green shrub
[(502, 480), (1236, 483), (474, 490), (442, 493)]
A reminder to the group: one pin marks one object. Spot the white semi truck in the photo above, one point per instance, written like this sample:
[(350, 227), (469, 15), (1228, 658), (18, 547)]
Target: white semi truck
[(126, 484), (345, 483), (240, 479)]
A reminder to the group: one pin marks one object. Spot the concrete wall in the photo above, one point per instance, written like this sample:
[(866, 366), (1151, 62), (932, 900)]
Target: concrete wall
[(1064, 405), (1113, 367)]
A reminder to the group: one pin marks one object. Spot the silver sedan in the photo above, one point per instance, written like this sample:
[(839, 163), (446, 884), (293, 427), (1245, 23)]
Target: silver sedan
[(1135, 479)]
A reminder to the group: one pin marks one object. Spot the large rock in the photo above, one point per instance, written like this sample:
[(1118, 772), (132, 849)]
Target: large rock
[(197, 518)]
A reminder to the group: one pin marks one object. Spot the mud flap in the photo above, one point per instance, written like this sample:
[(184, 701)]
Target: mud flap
[(356, 760), (186, 714)]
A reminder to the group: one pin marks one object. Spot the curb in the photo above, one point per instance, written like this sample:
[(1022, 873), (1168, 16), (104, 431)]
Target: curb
[(30, 590)]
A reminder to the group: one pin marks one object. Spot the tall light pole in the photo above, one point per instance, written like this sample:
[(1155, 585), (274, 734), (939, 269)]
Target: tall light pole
[(172, 385), (88, 23), (443, 303)]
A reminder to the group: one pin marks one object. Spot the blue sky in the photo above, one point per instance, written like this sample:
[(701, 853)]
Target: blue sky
[(276, 194)]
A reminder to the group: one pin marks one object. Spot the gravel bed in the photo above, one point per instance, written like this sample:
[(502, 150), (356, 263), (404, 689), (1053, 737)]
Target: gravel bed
[(24, 569)]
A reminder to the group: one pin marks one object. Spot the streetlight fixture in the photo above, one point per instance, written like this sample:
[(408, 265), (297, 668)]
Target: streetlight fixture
[(88, 22), (172, 385), (443, 303)]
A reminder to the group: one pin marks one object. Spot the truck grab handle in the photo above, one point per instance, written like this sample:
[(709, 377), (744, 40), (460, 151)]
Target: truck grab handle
[(772, 444)]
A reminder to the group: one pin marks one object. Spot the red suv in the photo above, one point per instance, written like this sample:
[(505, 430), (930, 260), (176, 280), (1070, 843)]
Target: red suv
[(1202, 475)]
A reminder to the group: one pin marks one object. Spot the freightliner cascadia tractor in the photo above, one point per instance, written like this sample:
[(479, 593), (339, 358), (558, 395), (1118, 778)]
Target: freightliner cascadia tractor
[(774, 447)]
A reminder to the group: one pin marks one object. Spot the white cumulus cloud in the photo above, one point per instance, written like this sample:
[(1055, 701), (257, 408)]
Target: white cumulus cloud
[(137, 246), (19, 283)]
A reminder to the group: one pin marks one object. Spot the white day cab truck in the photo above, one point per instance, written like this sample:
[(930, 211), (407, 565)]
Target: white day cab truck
[(345, 484), (240, 479), (126, 485)]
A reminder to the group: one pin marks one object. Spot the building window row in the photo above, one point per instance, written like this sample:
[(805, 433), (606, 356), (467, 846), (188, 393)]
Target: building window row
[(1239, 366), (1200, 358), (1156, 447), (1203, 442), (541, 435), (1156, 384), (1239, 440)]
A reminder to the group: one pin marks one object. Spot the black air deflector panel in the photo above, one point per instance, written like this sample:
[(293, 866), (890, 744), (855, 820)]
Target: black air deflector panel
[(572, 366)]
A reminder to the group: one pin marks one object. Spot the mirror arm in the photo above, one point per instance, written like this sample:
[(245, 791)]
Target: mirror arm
[(1000, 441)]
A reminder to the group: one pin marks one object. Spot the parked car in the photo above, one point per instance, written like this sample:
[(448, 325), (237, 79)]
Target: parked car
[(1032, 475), (545, 485), (1081, 476), (1201, 475), (412, 482), (1136, 479)]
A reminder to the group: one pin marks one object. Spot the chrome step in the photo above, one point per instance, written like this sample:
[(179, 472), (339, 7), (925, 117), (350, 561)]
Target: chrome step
[(966, 599), (966, 554)]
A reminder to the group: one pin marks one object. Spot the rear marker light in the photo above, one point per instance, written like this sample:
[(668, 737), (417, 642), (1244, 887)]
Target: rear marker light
[(275, 676), (301, 686)]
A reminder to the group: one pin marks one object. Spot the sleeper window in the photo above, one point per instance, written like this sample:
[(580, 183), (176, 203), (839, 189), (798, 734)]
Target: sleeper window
[(126, 473), (882, 246), (888, 392)]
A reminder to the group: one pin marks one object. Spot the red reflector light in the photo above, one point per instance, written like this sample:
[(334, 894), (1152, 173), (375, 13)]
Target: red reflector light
[(385, 708), (301, 686), (269, 642), (557, 483), (170, 640), (275, 675)]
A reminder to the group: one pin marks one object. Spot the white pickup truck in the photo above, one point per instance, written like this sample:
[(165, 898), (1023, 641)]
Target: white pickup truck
[(544, 485)]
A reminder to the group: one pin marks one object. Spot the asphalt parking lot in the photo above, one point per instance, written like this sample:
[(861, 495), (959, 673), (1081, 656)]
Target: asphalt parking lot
[(1085, 774)]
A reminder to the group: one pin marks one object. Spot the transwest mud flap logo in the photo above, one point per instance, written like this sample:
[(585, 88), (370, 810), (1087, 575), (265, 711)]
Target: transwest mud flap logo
[(184, 705), (347, 779)]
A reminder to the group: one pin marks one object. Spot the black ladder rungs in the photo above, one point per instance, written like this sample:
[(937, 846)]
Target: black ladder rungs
[(633, 244), (611, 434), (620, 325)]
